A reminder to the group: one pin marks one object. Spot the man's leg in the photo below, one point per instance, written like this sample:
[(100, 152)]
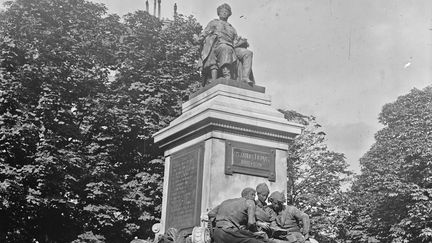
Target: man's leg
[(295, 237), (235, 236)]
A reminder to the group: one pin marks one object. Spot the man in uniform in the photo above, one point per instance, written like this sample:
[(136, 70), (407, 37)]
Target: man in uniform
[(288, 219), (263, 192), (264, 214), (235, 219)]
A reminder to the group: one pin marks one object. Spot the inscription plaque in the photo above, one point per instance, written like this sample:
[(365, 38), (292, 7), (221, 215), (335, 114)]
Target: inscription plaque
[(184, 188), (250, 159)]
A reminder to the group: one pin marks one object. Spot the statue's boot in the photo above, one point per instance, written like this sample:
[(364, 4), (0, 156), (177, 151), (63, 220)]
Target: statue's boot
[(248, 81), (226, 73), (213, 74)]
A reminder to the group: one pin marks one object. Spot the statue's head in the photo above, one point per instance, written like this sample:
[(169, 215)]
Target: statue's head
[(226, 7), (248, 193)]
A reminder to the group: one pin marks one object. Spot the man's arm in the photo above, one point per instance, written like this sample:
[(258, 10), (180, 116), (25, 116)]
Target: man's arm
[(304, 218), (251, 215), (212, 214), (272, 216), (212, 218), (262, 218), (306, 225)]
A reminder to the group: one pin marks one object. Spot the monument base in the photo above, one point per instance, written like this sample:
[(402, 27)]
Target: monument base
[(229, 82), (227, 138)]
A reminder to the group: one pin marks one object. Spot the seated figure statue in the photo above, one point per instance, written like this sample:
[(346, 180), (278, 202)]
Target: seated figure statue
[(224, 53)]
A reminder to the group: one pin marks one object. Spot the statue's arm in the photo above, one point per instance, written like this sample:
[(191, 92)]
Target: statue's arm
[(241, 42), (209, 29)]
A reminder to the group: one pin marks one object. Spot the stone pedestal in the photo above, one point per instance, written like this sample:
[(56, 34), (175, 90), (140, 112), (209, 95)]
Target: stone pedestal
[(227, 138)]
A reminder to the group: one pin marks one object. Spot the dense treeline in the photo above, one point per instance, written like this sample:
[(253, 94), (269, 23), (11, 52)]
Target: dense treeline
[(394, 190), (316, 176), (391, 200), (76, 156), (83, 91)]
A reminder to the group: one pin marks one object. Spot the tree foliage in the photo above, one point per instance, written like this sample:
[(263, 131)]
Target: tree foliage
[(77, 160), (83, 91), (396, 179), (315, 177)]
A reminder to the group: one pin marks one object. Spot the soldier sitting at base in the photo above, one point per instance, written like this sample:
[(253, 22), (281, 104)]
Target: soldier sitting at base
[(262, 191), (264, 214), (286, 226), (235, 219)]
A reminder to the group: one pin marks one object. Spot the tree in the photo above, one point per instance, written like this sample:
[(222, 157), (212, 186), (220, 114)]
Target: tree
[(76, 155), (315, 177), (156, 72), (396, 178), (53, 59)]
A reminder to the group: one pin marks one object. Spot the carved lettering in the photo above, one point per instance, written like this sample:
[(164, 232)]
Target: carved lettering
[(250, 159), (184, 187)]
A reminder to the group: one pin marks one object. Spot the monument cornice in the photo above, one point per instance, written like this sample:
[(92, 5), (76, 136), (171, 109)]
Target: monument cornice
[(229, 108), (211, 124)]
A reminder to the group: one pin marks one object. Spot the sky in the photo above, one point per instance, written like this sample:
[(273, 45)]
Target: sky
[(338, 60)]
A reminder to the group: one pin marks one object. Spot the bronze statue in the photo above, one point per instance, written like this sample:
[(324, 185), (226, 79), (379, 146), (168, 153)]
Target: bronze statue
[(224, 53)]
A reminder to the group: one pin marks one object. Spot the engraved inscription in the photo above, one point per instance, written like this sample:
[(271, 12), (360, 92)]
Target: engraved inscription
[(252, 159), (182, 193), (184, 185)]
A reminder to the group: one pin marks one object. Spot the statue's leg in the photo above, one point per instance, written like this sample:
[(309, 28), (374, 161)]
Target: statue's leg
[(245, 57), (225, 58), (210, 69)]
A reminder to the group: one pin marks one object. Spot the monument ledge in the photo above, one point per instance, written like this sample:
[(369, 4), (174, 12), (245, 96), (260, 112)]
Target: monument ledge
[(227, 106)]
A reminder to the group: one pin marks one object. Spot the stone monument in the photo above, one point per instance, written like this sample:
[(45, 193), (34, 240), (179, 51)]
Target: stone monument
[(228, 137)]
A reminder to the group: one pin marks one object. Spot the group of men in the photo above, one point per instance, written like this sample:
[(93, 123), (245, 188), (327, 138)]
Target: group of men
[(245, 220)]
